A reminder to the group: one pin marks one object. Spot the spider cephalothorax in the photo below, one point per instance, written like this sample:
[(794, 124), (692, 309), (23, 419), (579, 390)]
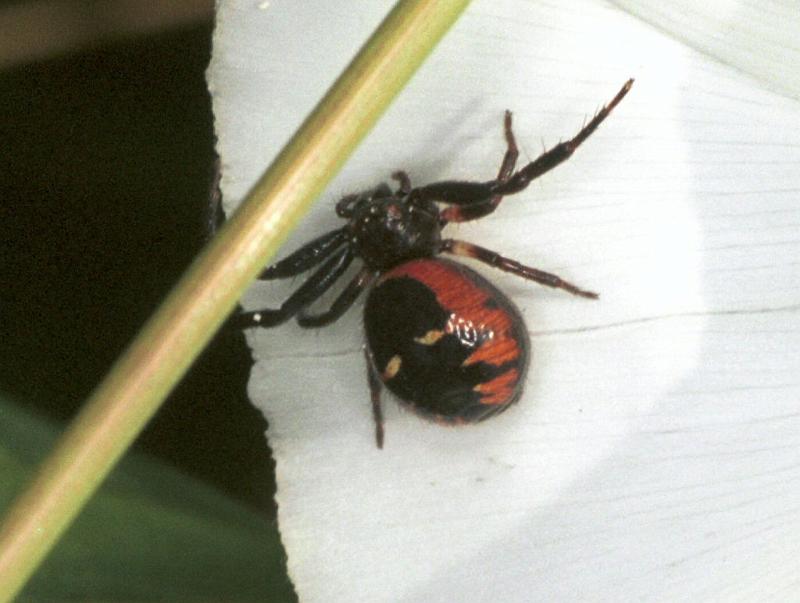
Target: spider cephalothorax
[(387, 228)]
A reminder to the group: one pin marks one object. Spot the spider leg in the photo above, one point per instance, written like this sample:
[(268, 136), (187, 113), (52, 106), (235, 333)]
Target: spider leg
[(512, 152), (314, 286), (559, 153), (342, 303), (404, 181), (375, 387), (308, 256), (474, 200), (462, 213), (495, 260)]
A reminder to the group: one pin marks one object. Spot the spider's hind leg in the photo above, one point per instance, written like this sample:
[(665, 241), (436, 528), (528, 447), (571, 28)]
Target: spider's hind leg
[(495, 260), (375, 387)]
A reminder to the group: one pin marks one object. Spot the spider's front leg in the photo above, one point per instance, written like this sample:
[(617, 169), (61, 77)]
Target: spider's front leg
[(559, 153), (470, 200), (473, 200), (403, 180), (474, 210)]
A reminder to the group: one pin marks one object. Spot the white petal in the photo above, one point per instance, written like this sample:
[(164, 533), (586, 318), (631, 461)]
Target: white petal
[(654, 453), (757, 38)]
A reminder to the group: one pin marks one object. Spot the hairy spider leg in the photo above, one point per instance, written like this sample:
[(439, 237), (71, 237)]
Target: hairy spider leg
[(495, 260), (477, 199), (559, 153)]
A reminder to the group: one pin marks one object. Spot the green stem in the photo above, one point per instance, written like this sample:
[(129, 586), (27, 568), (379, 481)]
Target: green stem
[(157, 359)]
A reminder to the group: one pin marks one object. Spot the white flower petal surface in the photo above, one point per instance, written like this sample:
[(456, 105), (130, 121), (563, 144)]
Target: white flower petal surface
[(654, 454), (760, 39)]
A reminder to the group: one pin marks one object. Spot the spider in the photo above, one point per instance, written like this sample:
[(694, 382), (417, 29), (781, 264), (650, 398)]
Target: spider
[(441, 337)]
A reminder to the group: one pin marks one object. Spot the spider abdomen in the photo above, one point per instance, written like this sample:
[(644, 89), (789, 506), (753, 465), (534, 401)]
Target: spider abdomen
[(446, 341)]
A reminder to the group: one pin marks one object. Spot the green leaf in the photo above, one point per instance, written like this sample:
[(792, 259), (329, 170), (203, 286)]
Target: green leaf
[(150, 533)]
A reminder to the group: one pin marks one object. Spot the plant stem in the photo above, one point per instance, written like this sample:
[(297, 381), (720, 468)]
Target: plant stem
[(176, 334)]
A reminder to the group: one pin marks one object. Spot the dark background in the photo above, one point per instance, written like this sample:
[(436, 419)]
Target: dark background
[(107, 162)]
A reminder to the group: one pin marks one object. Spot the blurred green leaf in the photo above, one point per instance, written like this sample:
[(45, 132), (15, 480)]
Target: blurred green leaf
[(150, 534)]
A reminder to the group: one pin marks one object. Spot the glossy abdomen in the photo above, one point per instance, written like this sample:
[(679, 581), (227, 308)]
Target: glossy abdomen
[(446, 341)]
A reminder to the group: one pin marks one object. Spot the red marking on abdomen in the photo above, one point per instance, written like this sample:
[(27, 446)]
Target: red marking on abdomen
[(499, 390), (466, 299), (495, 352)]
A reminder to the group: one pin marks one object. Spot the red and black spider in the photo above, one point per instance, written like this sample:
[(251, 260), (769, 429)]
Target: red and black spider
[(441, 337)]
